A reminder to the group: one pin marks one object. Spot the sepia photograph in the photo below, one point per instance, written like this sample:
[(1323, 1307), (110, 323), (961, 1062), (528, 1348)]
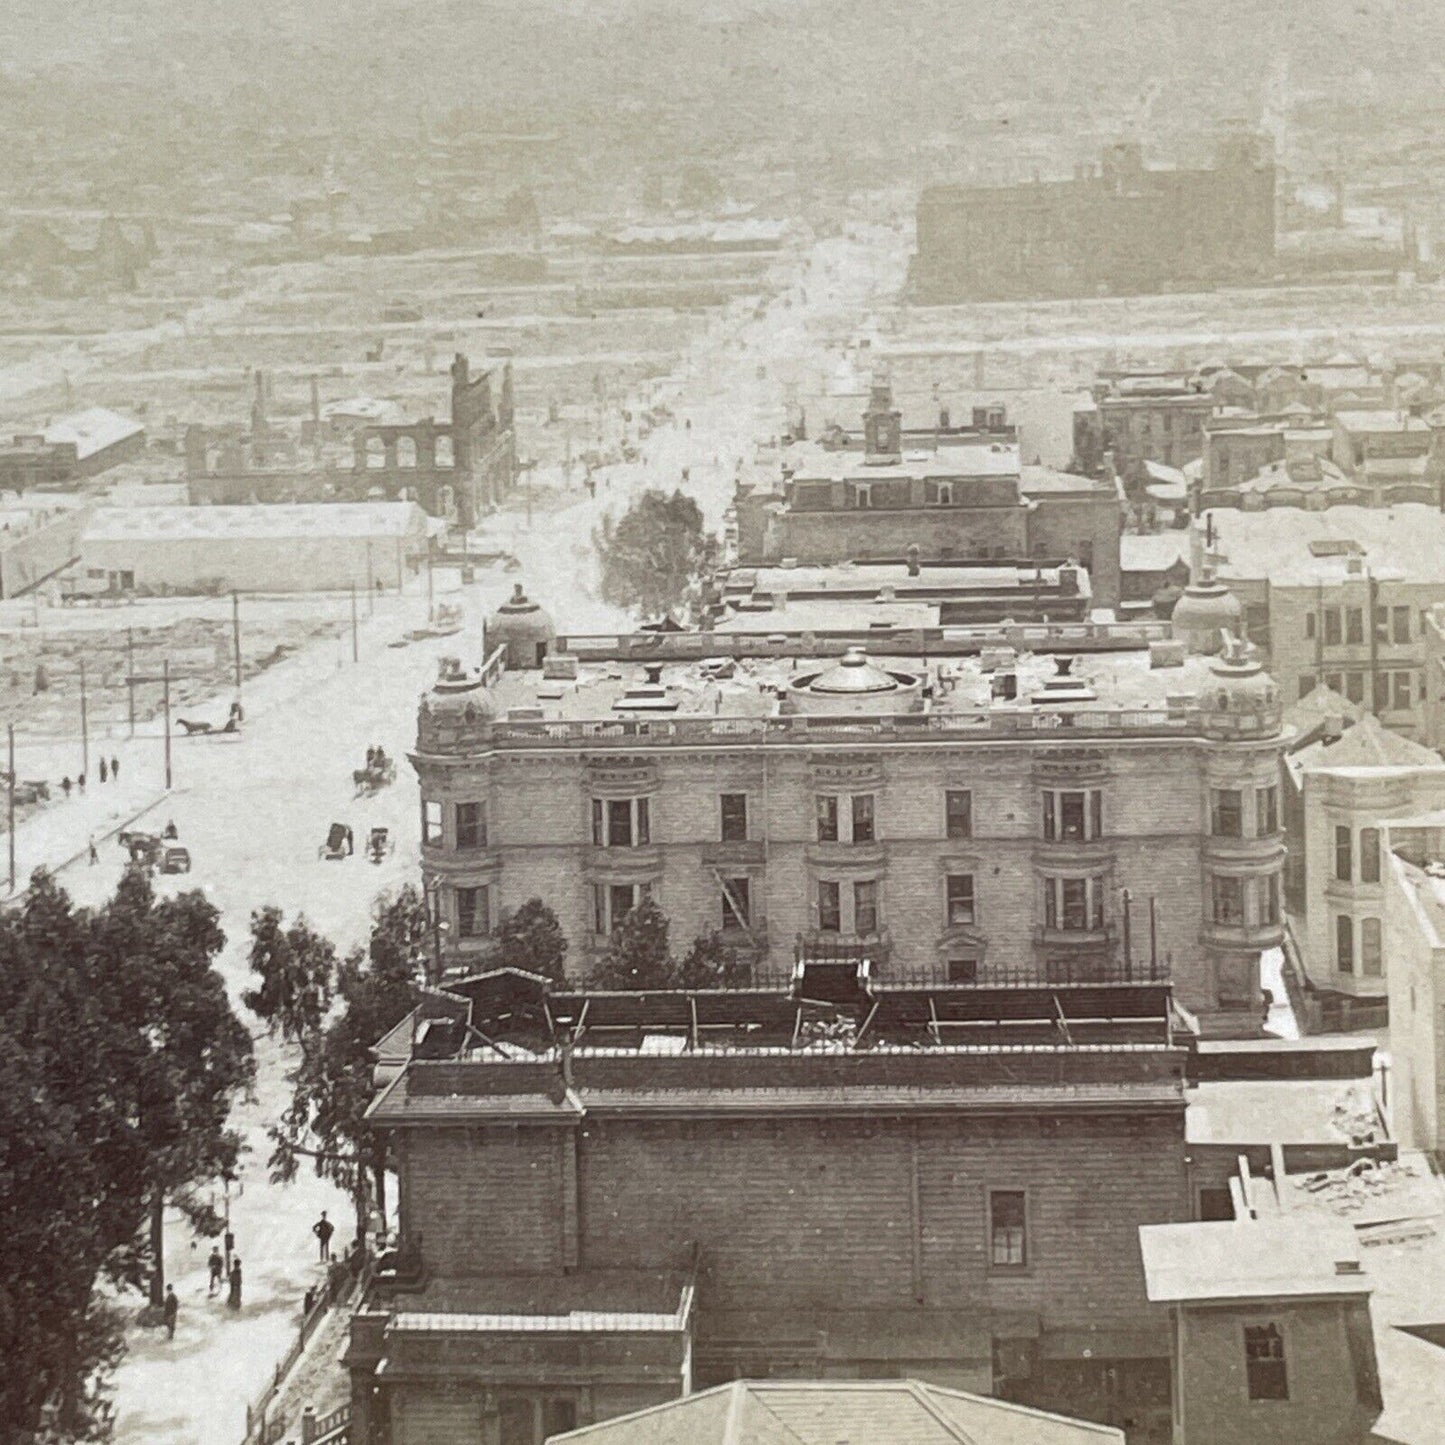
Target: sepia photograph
[(724, 722)]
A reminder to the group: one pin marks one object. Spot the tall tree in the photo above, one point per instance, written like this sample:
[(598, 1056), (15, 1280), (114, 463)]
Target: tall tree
[(653, 556), (710, 962), (194, 1055), (376, 987), (531, 938), (296, 968)]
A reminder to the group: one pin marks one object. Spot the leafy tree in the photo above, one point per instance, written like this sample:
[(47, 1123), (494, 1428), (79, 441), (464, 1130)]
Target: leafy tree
[(376, 987), (297, 971), (530, 938), (653, 557), (118, 1062), (710, 963), (638, 955), (193, 1055)]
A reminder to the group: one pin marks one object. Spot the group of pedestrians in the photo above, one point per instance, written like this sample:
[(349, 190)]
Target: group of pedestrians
[(109, 773), (225, 1273)]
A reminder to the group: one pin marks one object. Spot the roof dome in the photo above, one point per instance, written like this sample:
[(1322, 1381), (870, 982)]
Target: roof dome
[(1206, 610), (458, 692), (854, 674), (524, 628), (1238, 683)]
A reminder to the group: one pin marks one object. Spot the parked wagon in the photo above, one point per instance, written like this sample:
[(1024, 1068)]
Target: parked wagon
[(339, 843), (380, 844)]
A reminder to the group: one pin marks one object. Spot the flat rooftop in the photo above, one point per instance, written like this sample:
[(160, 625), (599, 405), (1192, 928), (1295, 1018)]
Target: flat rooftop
[(1381, 421), (867, 579), (810, 461), (1290, 546), (1121, 684), (1249, 1259), (279, 522), (1296, 1112)]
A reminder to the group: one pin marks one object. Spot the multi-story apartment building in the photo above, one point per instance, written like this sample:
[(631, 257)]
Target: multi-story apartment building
[(976, 817), (954, 498), (1340, 792), (608, 1200), (1337, 597)]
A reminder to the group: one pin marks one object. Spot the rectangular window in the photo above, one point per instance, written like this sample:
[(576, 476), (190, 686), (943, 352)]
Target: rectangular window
[(473, 913), (736, 903), (1306, 683), (733, 810), (960, 899), (1269, 899), (1335, 682), (1354, 625), (558, 1416), (1073, 816), (827, 819), (612, 902), (1404, 691), (958, 807), (830, 913), (1228, 901), (1400, 624), (1371, 953), (1074, 905), (1343, 855), (1332, 627), (1264, 1365), (471, 825), (1355, 686), (1369, 855), (621, 822), (1007, 1229), (1344, 943), (865, 906), (863, 818), (963, 970), (1381, 691), (622, 899), (431, 822), (1382, 624), (1266, 810), (1226, 813), (1310, 625)]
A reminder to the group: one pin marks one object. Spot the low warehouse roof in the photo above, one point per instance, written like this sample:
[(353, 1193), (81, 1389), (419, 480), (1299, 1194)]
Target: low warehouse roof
[(278, 522)]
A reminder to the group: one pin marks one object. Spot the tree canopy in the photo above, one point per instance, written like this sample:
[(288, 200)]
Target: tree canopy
[(376, 988), (639, 956), (119, 1061), (530, 938), (653, 556), (296, 969)]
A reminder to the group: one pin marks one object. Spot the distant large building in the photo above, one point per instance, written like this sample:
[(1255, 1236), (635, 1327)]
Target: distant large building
[(70, 449), (939, 495), (1121, 228)]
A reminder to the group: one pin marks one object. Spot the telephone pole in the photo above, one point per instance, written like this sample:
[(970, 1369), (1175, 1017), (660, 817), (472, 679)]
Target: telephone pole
[(354, 649), (130, 681), (84, 727), (236, 635), (166, 683), (11, 730)]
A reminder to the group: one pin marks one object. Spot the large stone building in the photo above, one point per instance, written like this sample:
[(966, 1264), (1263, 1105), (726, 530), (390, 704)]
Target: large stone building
[(1120, 228), (70, 449), (457, 470), (957, 496), (608, 1200), (977, 817)]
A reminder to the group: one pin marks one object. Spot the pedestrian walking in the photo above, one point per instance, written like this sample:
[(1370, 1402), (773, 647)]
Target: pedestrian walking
[(94, 856), (323, 1229), (171, 1309), (115, 770), (80, 782), (233, 1300), (65, 785), (217, 1267), (104, 772)]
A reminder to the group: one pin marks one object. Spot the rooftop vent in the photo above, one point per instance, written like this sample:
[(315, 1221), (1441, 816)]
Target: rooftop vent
[(1348, 1266), (1335, 547), (649, 695)]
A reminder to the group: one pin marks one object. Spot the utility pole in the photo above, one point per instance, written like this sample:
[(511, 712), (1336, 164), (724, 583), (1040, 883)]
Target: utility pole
[(236, 635), (11, 731), (84, 726), (1128, 942), (354, 648), (166, 682), (1153, 939), (130, 681), (430, 554), (370, 583)]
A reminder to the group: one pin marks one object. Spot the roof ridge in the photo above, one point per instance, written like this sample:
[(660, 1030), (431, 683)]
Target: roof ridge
[(919, 1391), (751, 1390)]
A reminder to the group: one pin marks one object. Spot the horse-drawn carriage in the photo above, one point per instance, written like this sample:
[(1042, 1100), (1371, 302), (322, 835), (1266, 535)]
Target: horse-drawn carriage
[(379, 772), (380, 845), (339, 843), (162, 851), (197, 727)]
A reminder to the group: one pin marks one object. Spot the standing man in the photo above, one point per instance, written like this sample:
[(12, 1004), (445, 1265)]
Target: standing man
[(323, 1229), (104, 772), (94, 856), (115, 770), (218, 1268), (171, 1309), (233, 1300)]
